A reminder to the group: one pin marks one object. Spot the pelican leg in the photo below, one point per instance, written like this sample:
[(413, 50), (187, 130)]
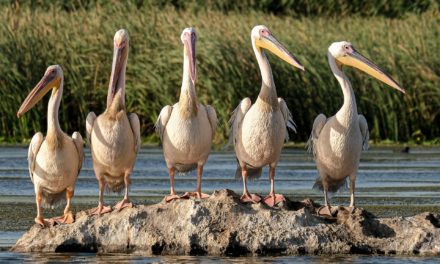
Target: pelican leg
[(67, 218), (101, 209), (39, 219), (273, 199), (352, 188), (247, 197), (326, 199), (173, 195), (126, 201), (198, 193), (326, 209)]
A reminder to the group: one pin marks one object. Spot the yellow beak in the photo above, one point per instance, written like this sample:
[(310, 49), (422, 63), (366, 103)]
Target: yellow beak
[(48, 82), (273, 45), (190, 45), (356, 60), (119, 57)]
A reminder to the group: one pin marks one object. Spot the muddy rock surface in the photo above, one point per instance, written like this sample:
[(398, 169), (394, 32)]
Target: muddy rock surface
[(221, 225)]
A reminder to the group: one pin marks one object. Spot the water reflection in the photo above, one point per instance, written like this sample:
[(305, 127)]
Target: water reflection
[(379, 169), (6, 257), (389, 183)]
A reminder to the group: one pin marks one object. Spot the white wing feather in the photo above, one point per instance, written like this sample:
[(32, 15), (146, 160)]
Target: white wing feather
[(318, 124), (79, 144), (212, 116), (136, 128), (34, 147), (287, 118), (364, 130), (163, 119), (91, 117), (237, 118)]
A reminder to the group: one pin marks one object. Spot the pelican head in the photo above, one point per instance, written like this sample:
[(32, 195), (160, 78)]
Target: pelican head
[(345, 54), (189, 38), (51, 80), (120, 56), (262, 38)]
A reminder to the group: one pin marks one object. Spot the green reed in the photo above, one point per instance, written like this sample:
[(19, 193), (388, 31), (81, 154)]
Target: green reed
[(81, 41)]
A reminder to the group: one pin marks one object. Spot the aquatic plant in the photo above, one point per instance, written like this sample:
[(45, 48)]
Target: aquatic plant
[(80, 39)]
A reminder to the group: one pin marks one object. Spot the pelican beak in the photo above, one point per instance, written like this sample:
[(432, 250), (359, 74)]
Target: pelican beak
[(190, 45), (270, 43), (48, 82), (119, 57), (357, 60)]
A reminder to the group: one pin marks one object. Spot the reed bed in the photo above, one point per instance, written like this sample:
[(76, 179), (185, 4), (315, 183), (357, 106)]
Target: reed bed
[(81, 41)]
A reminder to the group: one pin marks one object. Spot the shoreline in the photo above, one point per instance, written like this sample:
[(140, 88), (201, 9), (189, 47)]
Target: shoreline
[(18, 212), (221, 225), (22, 219)]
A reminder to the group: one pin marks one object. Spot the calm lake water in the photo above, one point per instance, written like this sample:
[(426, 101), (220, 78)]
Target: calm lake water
[(389, 183)]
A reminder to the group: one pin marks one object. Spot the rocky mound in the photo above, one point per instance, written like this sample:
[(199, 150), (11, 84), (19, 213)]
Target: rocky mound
[(221, 225)]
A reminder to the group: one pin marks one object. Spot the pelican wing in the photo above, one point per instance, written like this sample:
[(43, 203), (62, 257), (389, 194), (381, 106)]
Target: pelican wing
[(91, 117), (79, 144), (136, 128), (287, 118), (364, 131), (162, 119), (34, 147), (212, 116), (318, 124), (237, 118)]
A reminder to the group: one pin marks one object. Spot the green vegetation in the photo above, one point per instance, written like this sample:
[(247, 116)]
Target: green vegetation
[(79, 37), (295, 8)]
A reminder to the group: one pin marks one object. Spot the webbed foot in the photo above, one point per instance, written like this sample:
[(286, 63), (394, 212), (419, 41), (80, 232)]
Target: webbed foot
[(100, 210), (197, 195), (327, 211), (250, 198), (274, 199), (171, 197), (67, 218), (123, 204)]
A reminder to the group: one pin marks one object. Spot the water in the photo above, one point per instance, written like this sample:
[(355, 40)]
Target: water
[(389, 183), (123, 258)]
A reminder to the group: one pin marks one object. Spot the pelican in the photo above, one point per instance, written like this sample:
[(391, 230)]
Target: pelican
[(187, 128), (54, 161), (259, 130), (337, 142), (114, 136)]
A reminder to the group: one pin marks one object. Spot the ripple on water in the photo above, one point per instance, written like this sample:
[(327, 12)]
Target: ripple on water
[(389, 183), (7, 257)]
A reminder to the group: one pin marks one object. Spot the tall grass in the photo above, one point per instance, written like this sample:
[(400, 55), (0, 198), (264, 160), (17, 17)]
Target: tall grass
[(81, 41), (295, 8)]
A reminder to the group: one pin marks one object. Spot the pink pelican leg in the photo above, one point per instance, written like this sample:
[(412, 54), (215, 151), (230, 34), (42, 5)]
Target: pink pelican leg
[(273, 199)]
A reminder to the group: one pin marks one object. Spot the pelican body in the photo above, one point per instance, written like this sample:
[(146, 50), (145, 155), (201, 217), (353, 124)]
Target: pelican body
[(54, 161), (114, 136), (259, 130), (337, 142), (188, 127)]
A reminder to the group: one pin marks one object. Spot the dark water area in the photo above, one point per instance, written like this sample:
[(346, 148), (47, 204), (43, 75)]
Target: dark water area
[(389, 183), (6, 257)]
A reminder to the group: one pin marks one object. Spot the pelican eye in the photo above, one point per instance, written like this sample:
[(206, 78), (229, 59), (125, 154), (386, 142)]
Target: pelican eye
[(264, 32)]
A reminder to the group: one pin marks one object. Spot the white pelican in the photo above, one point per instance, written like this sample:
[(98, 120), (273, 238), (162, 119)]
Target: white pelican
[(54, 161), (187, 128), (114, 136), (259, 130), (337, 142)]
